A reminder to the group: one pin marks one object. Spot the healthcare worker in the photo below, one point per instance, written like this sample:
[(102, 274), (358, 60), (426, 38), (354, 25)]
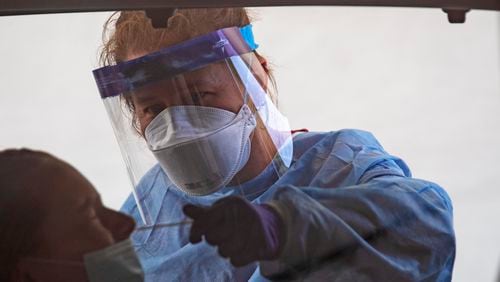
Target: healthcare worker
[(226, 192)]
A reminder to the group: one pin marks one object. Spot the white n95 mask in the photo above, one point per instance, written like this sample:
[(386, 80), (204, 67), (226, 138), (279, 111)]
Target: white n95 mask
[(118, 262), (201, 148)]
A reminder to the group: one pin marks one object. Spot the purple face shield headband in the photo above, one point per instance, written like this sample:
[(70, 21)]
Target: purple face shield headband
[(186, 56)]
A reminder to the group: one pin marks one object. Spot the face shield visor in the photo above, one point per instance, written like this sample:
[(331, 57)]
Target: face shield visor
[(199, 109)]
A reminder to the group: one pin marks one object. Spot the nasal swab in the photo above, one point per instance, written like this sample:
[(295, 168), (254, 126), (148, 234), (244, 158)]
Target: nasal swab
[(185, 222)]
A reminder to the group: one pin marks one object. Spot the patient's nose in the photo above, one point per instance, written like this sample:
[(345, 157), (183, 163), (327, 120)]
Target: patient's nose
[(120, 225)]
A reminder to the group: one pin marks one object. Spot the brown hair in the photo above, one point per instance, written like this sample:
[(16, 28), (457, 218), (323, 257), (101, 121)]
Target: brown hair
[(21, 211), (131, 33)]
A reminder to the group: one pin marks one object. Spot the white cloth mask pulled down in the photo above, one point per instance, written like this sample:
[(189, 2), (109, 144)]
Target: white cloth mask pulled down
[(201, 148)]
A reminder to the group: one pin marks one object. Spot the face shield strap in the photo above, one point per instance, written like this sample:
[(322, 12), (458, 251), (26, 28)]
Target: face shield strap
[(247, 34), (276, 123), (186, 56)]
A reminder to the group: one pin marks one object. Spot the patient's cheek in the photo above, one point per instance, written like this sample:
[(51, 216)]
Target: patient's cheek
[(73, 240)]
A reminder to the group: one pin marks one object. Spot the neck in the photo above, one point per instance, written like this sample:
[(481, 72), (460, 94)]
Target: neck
[(261, 155)]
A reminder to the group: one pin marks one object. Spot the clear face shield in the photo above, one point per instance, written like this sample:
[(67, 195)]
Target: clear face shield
[(200, 110)]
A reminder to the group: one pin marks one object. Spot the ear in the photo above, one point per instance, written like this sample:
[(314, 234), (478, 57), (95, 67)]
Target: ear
[(263, 62), (261, 71)]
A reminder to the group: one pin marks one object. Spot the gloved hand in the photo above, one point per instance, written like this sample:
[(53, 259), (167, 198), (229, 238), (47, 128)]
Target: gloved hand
[(242, 231)]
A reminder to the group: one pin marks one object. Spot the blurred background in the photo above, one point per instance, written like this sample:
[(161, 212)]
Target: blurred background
[(428, 90)]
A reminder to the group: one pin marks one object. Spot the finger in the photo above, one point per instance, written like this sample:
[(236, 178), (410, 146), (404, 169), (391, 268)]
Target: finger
[(205, 222), (215, 215), (231, 248), (193, 211), (230, 231), (217, 235), (222, 252), (232, 213), (217, 232), (196, 233), (248, 253), (240, 261)]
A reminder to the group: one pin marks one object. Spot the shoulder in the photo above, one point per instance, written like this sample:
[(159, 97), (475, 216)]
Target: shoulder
[(328, 139), (353, 135), (432, 193), (354, 154)]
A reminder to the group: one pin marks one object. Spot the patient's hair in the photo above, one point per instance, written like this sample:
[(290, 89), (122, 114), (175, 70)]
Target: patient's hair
[(22, 174)]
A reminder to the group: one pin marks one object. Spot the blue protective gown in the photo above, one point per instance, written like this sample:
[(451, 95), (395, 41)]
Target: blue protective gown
[(352, 211)]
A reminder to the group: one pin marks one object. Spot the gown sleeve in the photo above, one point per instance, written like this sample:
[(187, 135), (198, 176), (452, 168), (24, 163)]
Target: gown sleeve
[(371, 222)]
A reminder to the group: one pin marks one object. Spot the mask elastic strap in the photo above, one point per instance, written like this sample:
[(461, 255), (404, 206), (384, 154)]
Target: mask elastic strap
[(245, 97)]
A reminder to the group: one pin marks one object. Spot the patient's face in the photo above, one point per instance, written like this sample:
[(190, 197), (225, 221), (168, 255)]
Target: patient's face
[(76, 221)]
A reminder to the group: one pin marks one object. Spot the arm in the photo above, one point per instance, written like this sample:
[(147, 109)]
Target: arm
[(350, 212), (388, 229)]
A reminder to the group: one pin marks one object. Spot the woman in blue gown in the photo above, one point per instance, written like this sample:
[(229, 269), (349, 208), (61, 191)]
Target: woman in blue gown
[(330, 206)]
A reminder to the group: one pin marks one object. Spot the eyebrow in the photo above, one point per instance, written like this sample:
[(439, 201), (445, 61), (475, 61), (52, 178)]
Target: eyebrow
[(142, 98), (148, 94), (201, 81), (191, 83)]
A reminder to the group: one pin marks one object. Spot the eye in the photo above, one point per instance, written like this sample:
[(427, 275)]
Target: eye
[(199, 96), (154, 110)]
